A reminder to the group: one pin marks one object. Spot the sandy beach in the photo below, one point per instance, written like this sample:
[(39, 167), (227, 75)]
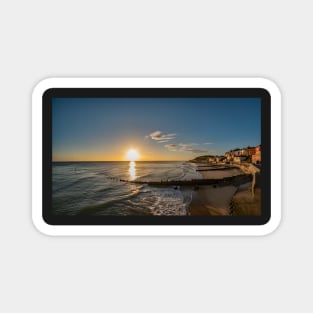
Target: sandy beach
[(212, 172), (215, 200), (208, 200), (244, 203)]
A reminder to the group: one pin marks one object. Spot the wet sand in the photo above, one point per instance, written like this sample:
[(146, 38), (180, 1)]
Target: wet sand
[(208, 200), (220, 174), (213, 200)]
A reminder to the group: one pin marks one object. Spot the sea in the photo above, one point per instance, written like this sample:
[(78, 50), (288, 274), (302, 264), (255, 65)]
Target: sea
[(95, 188)]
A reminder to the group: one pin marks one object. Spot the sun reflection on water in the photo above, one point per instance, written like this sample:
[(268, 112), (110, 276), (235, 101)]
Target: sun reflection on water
[(132, 170)]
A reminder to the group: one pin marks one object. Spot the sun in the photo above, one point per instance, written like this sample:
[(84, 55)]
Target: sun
[(132, 155)]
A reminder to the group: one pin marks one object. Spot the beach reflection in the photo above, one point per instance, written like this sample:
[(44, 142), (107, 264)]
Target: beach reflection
[(132, 170)]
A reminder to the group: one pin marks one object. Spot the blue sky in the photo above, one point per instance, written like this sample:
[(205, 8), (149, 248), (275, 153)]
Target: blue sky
[(159, 128)]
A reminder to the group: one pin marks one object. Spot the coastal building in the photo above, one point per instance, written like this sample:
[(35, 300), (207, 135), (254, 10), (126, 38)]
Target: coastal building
[(244, 152), (248, 154), (236, 152), (256, 157), (248, 151), (219, 159), (251, 151), (239, 159), (228, 156)]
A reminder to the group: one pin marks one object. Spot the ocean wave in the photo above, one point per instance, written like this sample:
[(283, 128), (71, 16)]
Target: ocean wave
[(99, 191)]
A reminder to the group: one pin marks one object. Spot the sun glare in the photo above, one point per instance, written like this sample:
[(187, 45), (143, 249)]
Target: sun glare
[(132, 155)]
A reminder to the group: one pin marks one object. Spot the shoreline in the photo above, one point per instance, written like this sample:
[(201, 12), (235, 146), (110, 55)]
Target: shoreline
[(223, 200)]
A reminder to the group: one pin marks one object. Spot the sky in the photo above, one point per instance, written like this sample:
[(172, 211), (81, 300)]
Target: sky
[(104, 129)]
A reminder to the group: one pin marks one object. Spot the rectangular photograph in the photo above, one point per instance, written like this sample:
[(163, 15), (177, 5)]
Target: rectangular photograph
[(188, 157), (156, 156)]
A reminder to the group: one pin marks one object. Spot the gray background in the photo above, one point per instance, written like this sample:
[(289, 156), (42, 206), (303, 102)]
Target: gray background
[(131, 38)]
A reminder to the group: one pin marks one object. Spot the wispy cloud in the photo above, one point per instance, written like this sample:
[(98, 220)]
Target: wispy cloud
[(171, 147), (196, 150), (184, 147), (161, 137)]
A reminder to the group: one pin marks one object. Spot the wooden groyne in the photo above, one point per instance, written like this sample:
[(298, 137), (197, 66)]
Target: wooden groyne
[(216, 169), (231, 180)]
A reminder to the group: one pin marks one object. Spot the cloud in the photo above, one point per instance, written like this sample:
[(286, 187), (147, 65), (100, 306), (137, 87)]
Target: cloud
[(171, 147), (161, 137), (196, 150), (208, 143), (184, 146)]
